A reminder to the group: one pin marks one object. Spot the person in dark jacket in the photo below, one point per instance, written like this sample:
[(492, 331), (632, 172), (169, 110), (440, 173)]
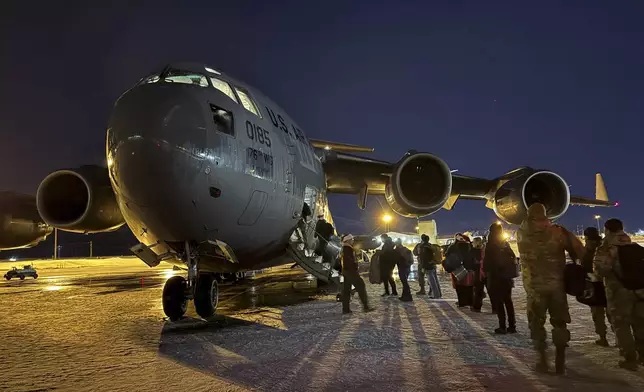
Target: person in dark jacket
[(592, 241), (464, 289), (323, 232), (499, 264), (352, 277), (429, 255), (405, 260), (388, 260), (479, 287)]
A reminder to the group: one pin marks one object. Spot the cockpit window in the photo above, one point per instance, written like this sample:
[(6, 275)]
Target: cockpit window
[(178, 76), (247, 102), (150, 79), (224, 88)]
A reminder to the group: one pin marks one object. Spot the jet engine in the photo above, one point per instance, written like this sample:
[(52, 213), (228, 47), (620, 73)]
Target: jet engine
[(20, 224), (420, 184), (513, 197), (79, 200)]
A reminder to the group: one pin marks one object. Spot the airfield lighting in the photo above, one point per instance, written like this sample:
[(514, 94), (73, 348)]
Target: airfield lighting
[(387, 219), (327, 147), (597, 218)]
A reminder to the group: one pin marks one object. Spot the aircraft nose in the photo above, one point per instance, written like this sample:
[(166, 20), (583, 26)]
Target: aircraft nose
[(155, 137)]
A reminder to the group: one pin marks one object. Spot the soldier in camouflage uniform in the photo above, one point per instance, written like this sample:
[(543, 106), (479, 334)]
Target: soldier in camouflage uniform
[(625, 306), (599, 313), (542, 247)]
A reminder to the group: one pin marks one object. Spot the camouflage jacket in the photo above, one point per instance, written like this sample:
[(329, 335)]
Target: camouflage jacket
[(606, 258), (542, 247)]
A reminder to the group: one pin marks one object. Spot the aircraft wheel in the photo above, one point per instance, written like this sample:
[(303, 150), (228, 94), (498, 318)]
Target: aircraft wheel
[(22, 277), (206, 295), (35, 276), (7, 277), (175, 302)]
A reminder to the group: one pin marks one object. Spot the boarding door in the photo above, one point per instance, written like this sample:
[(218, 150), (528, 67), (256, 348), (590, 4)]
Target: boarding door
[(311, 198)]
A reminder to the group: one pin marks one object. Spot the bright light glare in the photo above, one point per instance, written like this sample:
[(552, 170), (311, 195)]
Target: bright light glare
[(506, 235), (213, 71), (110, 162), (386, 218), (597, 216), (168, 274), (13, 258), (53, 288), (327, 147), (417, 227)]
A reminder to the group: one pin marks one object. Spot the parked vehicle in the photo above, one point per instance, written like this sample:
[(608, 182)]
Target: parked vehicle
[(26, 270)]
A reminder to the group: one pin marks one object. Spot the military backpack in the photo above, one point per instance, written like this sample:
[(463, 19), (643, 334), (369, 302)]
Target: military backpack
[(631, 266)]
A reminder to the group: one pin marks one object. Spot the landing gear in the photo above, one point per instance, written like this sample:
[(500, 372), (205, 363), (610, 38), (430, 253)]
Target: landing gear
[(206, 295), (175, 301), (202, 287)]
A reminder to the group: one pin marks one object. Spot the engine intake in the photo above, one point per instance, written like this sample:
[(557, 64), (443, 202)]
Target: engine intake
[(79, 200), (512, 199), (420, 185)]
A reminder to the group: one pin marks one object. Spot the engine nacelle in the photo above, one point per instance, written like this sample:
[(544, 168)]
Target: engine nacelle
[(79, 200), (420, 185), (20, 224), (512, 199)]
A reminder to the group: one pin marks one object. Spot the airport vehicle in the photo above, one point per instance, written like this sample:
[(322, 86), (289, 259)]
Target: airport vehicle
[(212, 176), (26, 271)]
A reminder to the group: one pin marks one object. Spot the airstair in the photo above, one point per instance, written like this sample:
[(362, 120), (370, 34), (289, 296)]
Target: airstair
[(302, 252)]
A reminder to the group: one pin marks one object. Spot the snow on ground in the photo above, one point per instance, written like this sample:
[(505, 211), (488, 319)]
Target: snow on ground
[(112, 262), (111, 336)]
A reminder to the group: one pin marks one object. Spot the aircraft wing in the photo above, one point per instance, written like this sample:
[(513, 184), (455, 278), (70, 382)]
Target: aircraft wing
[(589, 202), (349, 174), (339, 147), (421, 183)]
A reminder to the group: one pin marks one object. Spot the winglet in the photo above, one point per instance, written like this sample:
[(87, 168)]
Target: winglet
[(600, 188)]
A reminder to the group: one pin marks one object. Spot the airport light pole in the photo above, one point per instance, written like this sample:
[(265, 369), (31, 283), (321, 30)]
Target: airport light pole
[(91, 249), (597, 218), (387, 219), (55, 243)]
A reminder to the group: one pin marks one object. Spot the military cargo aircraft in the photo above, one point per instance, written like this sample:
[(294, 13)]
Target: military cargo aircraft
[(213, 176)]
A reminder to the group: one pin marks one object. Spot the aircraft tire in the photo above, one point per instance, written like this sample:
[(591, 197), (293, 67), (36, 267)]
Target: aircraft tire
[(175, 302), (35, 276), (22, 277), (206, 295)]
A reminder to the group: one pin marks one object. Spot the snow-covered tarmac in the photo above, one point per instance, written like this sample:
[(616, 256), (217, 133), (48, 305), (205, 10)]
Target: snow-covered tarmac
[(100, 327)]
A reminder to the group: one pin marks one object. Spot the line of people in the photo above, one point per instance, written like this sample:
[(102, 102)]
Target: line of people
[(610, 264)]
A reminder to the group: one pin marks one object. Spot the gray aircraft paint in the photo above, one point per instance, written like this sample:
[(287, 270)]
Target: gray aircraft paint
[(164, 155)]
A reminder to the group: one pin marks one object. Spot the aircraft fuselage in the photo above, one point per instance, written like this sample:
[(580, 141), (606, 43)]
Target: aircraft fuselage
[(189, 161)]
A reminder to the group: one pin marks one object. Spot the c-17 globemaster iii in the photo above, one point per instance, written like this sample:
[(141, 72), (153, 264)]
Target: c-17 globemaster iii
[(212, 176)]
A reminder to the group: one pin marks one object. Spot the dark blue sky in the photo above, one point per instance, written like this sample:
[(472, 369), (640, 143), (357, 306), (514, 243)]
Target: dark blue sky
[(487, 86)]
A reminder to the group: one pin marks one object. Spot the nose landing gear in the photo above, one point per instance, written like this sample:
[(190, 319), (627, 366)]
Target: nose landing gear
[(202, 287)]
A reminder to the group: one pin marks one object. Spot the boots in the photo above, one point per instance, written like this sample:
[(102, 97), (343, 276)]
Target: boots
[(629, 362), (560, 360), (421, 291), (602, 341), (542, 361)]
